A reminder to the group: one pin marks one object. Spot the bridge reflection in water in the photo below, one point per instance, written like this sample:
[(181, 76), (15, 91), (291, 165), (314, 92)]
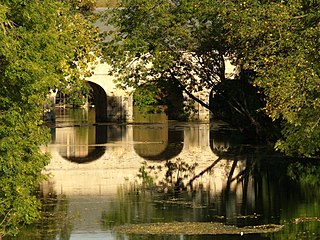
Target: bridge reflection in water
[(96, 159), (93, 166), (90, 162)]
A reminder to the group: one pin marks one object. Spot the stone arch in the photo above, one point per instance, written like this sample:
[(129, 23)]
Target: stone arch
[(113, 104), (100, 102)]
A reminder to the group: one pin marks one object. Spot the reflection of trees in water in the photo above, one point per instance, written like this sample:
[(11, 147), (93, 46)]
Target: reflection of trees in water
[(306, 172), (257, 190), (176, 173), (303, 229), (285, 189), (191, 237), (165, 202), (54, 222)]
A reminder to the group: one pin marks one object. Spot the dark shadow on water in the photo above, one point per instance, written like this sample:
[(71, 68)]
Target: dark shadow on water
[(259, 187)]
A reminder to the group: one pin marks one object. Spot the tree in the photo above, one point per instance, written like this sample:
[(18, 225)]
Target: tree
[(188, 42), (186, 46), (279, 41), (153, 43), (43, 44)]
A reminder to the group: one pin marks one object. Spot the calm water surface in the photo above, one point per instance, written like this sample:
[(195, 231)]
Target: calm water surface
[(94, 184)]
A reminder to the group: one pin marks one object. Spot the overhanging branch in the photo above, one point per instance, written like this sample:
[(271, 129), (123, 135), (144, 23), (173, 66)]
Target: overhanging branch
[(202, 103)]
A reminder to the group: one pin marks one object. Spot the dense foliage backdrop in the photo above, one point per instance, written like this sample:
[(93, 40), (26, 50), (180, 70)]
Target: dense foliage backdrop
[(44, 44), (162, 49), (274, 44)]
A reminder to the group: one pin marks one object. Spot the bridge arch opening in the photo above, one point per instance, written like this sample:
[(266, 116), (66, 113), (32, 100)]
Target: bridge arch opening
[(100, 102)]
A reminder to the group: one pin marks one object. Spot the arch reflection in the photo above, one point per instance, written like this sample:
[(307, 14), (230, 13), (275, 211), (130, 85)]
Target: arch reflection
[(156, 142), (152, 138), (83, 141), (81, 144), (223, 139)]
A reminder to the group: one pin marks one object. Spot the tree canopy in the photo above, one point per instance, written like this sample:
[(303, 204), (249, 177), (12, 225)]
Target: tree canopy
[(280, 41), (170, 37), (187, 42), (43, 44)]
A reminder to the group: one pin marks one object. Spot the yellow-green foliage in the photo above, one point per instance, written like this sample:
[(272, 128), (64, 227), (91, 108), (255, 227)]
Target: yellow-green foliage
[(276, 41), (106, 3), (40, 40)]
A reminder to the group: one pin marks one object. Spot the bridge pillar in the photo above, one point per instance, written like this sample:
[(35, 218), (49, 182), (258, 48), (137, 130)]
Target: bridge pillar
[(201, 113), (112, 103), (119, 108)]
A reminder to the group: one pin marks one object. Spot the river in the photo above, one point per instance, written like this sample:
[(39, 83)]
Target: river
[(103, 176)]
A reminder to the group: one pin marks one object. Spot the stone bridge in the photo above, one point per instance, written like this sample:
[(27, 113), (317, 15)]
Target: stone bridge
[(114, 104), (111, 103)]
